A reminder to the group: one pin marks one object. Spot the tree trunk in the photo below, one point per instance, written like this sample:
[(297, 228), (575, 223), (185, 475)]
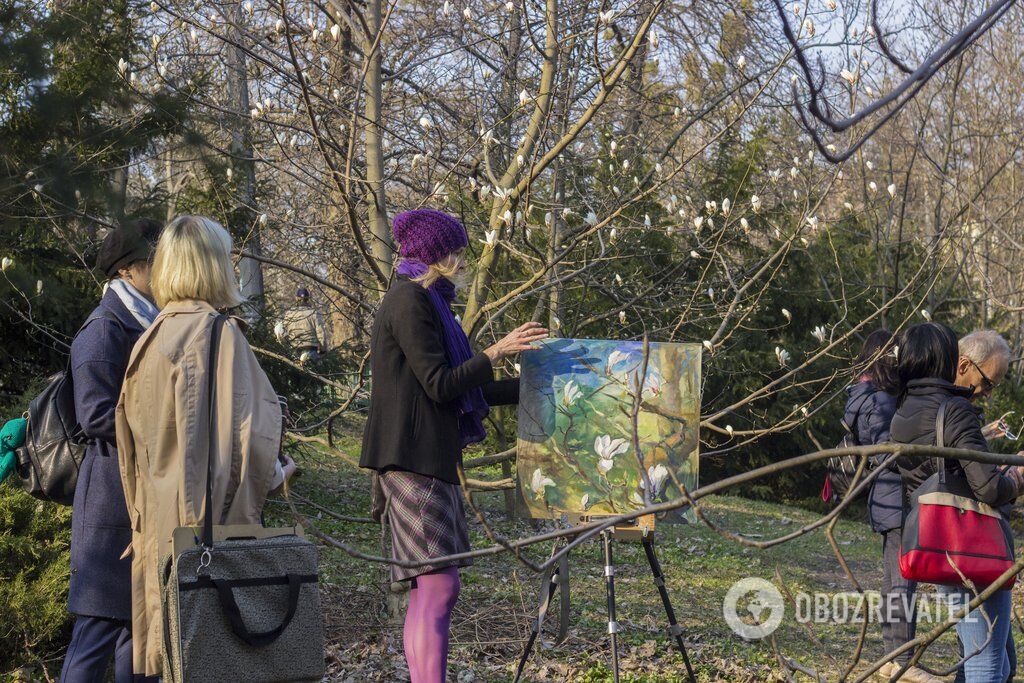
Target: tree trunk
[(380, 232), (244, 222)]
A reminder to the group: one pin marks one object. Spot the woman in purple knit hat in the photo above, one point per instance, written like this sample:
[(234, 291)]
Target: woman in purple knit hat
[(429, 398)]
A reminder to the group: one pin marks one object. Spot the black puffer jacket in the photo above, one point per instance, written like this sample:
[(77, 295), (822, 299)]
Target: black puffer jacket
[(914, 423)]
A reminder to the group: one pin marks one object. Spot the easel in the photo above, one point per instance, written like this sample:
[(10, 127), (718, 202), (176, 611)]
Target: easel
[(643, 531)]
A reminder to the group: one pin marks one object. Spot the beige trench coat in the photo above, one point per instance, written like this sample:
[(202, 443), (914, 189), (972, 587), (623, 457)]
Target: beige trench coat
[(162, 436)]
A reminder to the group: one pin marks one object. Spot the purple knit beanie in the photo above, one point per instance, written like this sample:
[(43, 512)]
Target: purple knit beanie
[(428, 235)]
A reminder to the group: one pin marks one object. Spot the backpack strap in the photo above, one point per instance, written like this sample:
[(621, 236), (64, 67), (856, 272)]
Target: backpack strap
[(852, 429), (940, 438)]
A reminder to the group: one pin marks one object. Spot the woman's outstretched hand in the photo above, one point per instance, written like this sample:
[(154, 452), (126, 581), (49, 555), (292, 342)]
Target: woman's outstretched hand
[(519, 339)]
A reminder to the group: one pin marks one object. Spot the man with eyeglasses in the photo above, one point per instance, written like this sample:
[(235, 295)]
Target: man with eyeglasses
[(984, 360)]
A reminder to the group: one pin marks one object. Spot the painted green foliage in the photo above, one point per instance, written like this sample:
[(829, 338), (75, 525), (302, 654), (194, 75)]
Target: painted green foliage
[(576, 451)]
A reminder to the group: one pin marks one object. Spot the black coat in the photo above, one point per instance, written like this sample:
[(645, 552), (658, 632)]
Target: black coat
[(100, 529), (413, 423), (914, 423), (869, 412)]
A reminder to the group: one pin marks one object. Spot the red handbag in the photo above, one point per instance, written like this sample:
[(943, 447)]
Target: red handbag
[(948, 523)]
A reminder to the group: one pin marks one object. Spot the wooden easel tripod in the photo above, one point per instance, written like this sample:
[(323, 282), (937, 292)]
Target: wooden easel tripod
[(642, 531)]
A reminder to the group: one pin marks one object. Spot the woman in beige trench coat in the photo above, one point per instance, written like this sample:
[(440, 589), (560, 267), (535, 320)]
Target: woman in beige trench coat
[(162, 419)]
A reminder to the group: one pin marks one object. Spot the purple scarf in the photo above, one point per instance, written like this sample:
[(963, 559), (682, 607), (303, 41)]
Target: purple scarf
[(472, 406)]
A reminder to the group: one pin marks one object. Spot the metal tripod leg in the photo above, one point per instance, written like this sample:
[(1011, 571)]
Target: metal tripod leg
[(674, 629), (547, 592), (613, 626)]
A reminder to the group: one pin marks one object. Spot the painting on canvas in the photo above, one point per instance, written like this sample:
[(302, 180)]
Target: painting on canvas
[(588, 423)]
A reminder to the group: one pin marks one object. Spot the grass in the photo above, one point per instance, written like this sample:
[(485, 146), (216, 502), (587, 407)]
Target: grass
[(499, 594)]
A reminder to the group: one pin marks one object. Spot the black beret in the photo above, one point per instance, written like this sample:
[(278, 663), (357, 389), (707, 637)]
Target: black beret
[(123, 246)]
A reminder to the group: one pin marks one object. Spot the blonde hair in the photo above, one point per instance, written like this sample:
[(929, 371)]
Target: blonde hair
[(193, 261), (447, 268)]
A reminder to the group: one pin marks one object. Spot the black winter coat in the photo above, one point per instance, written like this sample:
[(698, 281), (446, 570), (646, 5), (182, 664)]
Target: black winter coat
[(914, 423), (413, 422), (868, 413)]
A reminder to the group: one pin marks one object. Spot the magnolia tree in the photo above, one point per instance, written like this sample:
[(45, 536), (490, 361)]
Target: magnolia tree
[(624, 170)]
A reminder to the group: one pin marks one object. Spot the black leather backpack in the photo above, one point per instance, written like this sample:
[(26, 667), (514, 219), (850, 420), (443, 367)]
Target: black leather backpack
[(49, 461)]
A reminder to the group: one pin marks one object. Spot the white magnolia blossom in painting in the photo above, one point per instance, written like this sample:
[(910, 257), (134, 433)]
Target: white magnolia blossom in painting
[(614, 358), (658, 474), (539, 483), (570, 393), (607, 448), (585, 502), (652, 384)]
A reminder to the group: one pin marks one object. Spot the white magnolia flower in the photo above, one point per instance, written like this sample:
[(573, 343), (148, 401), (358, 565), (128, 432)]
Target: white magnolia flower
[(698, 221), (503, 193), (556, 321), (870, 165), (782, 355), (926, 314), (658, 474), (647, 220), (607, 448), (467, 15), (591, 218), (711, 207), (507, 217), (618, 279), (809, 27), (154, 7), (812, 222), (446, 9), (728, 428), (848, 206), (6, 263), (612, 234), (774, 175), (709, 346), (745, 224), (832, 5), (741, 62), (694, 253), (848, 76), (622, 317), (279, 25), (336, 33), (524, 97), (793, 172), (616, 357), (491, 237), (872, 187), (539, 483), (122, 66), (279, 330), (819, 333), (570, 392), (424, 123), (39, 287), (755, 203), (892, 189), (606, 16), (726, 206)]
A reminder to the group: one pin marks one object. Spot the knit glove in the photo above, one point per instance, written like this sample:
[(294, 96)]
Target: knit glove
[(12, 437)]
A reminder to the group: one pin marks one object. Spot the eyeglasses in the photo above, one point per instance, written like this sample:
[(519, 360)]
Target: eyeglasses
[(986, 383)]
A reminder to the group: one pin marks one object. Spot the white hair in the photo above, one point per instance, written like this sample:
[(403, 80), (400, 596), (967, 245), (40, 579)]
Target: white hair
[(981, 345)]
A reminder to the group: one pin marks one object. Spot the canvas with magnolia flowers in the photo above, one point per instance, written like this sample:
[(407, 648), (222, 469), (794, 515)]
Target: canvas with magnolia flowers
[(577, 446)]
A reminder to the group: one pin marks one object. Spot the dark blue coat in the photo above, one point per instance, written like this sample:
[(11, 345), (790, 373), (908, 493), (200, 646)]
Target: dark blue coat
[(100, 529), (869, 412)]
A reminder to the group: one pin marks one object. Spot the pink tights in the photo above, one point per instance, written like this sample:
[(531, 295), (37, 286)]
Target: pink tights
[(427, 624)]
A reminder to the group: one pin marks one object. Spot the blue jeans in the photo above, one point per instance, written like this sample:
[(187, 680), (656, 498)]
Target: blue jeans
[(992, 663)]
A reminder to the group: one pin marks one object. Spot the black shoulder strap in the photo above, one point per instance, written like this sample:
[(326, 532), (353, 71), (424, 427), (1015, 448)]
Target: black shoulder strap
[(940, 438), (211, 384)]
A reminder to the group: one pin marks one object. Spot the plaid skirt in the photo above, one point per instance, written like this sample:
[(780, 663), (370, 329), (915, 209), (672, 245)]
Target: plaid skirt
[(427, 520)]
